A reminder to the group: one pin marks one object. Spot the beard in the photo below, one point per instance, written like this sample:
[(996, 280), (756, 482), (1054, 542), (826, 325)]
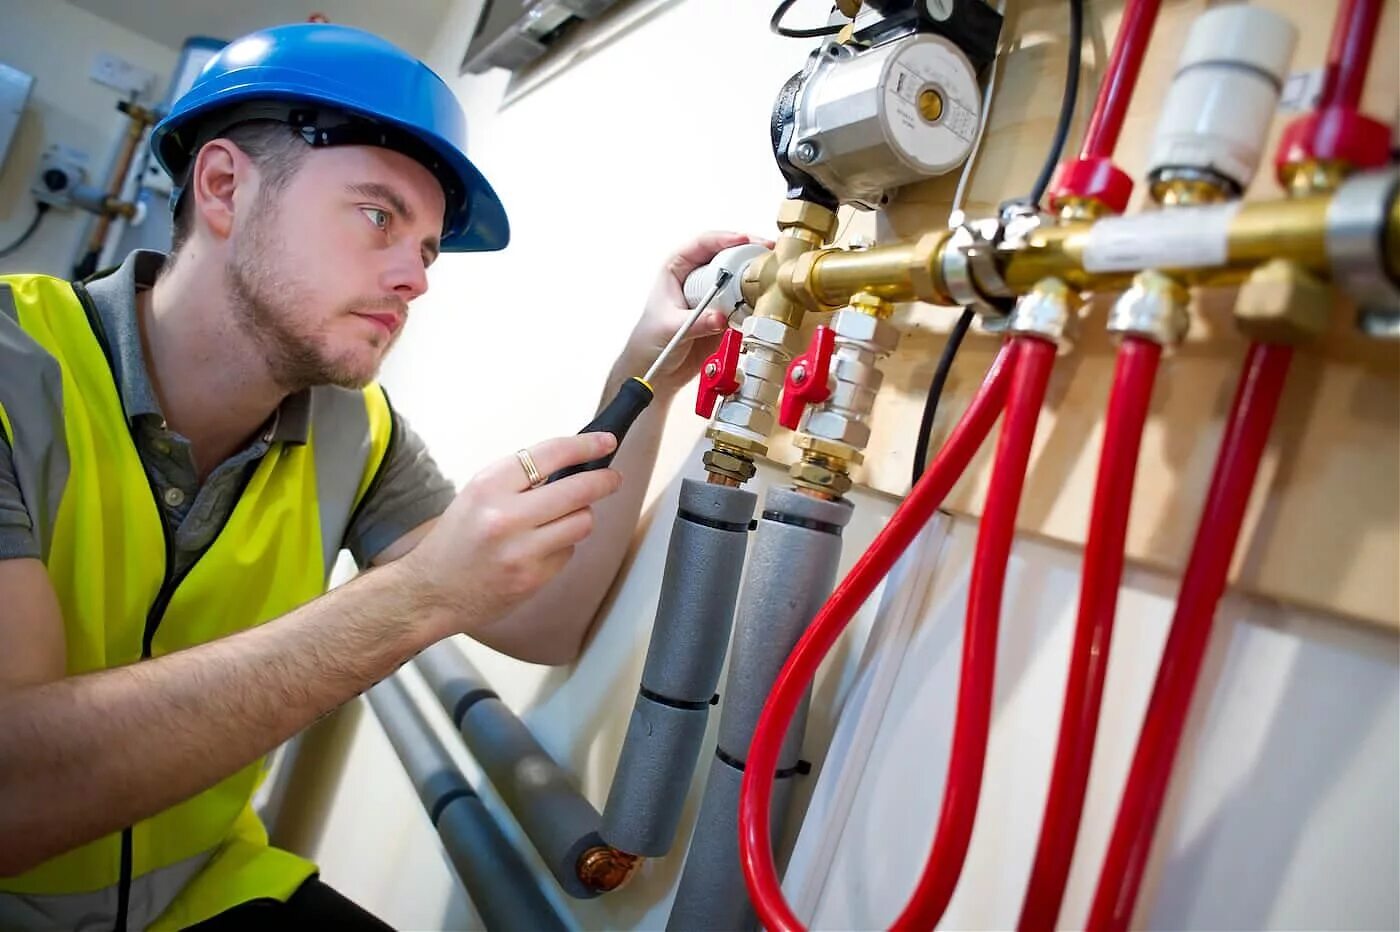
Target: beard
[(269, 309)]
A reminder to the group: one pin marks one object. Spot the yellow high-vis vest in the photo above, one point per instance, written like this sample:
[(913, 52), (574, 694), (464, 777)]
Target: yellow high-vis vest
[(106, 549)]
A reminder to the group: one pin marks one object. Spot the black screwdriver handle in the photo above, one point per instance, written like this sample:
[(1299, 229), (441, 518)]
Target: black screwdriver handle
[(629, 403)]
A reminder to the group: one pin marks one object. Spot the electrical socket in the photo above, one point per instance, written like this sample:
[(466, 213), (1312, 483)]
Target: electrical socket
[(120, 74), (61, 169)]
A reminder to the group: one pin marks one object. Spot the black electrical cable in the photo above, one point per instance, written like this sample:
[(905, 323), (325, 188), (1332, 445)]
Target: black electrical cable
[(1067, 101), (776, 24), (1042, 182), (40, 209), (935, 390)]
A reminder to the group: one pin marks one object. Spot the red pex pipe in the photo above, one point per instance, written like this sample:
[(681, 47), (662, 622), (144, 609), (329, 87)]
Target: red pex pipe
[(1031, 362), (1246, 435), (755, 802), (1034, 360), (1116, 91), (1349, 56), (1128, 402)]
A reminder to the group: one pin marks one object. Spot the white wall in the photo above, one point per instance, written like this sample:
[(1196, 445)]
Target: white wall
[(1285, 806), (56, 42)]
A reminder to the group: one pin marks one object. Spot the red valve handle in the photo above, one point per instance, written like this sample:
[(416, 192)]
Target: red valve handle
[(718, 373), (806, 378)]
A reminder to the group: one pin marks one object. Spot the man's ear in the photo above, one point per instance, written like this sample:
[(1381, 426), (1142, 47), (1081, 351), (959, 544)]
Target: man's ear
[(220, 169)]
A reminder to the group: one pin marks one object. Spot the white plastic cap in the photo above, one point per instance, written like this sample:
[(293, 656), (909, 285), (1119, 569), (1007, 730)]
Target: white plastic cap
[(1216, 116), (1242, 35)]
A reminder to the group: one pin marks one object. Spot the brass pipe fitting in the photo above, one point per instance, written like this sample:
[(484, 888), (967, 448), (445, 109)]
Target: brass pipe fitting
[(1050, 312), (1294, 229), (604, 868), (1281, 303), (1189, 191), (744, 420), (1308, 177), (821, 475), (826, 279), (728, 465), (1154, 308), (803, 226)]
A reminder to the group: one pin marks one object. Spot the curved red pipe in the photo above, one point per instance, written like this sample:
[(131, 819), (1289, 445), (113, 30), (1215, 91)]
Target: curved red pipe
[(1349, 56), (1034, 360), (1119, 78), (1128, 402), (1246, 434), (1031, 365), (755, 801)]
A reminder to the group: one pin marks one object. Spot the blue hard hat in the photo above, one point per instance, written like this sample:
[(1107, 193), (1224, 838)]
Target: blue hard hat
[(340, 85)]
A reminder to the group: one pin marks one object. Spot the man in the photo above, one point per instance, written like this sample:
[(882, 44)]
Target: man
[(185, 445)]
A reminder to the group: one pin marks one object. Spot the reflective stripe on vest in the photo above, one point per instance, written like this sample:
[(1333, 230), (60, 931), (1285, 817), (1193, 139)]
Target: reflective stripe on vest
[(103, 542)]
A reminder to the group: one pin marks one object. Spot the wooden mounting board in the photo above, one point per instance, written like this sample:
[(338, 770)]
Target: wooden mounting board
[(1323, 528)]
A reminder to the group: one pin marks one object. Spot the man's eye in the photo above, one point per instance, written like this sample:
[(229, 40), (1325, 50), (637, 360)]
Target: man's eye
[(380, 218)]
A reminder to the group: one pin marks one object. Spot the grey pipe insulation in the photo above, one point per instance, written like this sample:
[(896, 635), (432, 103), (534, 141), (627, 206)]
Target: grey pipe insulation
[(494, 873), (796, 552), (689, 641), (560, 822)]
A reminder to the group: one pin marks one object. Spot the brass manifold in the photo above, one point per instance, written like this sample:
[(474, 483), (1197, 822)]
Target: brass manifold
[(823, 279), (1267, 245)]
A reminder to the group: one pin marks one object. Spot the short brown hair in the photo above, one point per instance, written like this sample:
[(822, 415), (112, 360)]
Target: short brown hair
[(275, 149)]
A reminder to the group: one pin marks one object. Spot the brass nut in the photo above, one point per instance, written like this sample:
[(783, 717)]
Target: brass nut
[(770, 331), (802, 275), (871, 305), (821, 475), (838, 428), (1281, 303), (1186, 192), (1313, 176), (825, 447), (1074, 208), (863, 328), (758, 276), (1153, 308), (925, 273), (807, 216), (1050, 311), (729, 465)]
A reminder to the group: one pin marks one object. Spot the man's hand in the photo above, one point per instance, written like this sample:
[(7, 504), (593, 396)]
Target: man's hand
[(666, 310), (500, 541)]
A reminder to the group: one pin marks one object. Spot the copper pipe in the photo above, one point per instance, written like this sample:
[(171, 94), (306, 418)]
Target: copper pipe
[(604, 868)]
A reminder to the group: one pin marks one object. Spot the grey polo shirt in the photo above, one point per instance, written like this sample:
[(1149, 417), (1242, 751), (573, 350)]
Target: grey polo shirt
[(411, 489)]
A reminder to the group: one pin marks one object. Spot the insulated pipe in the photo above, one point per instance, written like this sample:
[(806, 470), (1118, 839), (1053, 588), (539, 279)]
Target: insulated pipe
[(494, 874), (796, 551), (1246, 435), (755, 807), (1133, 377), (560, 823), (689, 640)]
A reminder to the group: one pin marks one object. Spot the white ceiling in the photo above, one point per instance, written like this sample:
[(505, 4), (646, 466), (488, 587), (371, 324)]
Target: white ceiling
[(407, 23)]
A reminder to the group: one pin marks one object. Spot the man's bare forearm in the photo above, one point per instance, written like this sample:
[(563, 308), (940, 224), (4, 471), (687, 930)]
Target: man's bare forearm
[(551, 626), (87, 755)]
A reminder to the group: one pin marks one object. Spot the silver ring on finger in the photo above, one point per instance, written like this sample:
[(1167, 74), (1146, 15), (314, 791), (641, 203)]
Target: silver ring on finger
[(532, 472)]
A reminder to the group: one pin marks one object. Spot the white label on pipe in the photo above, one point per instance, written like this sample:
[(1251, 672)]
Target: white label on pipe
[(1174, 238)]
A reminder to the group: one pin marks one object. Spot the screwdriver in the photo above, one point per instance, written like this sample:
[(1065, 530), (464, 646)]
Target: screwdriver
[(634, 396)]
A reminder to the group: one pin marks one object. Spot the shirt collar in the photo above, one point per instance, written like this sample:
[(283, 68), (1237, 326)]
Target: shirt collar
[(114, 299)]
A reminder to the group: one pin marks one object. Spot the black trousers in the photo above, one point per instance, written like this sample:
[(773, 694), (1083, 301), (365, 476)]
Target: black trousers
[(313, 906)]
